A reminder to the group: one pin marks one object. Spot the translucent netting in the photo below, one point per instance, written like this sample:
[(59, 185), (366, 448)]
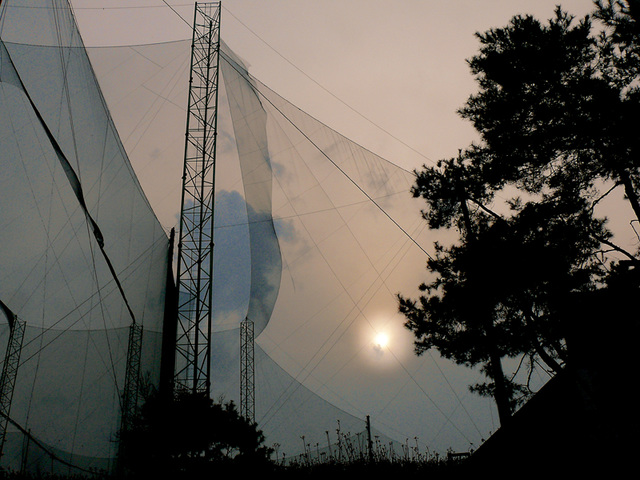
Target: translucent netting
[(81, 252), (350, 237), (314, 235)]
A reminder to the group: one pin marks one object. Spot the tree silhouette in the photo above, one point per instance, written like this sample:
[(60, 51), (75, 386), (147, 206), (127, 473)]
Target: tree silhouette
[(189, 434), (557, 113)]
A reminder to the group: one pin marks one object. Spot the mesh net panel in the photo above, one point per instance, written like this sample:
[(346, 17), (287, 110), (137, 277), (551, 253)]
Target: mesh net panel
[(82, 252), (314, 236), (350, 237)]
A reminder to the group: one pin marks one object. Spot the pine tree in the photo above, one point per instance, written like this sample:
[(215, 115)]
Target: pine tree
[(556, 111)]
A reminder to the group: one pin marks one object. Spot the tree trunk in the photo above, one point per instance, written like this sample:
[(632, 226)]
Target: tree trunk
[(625, 178), (502, 396)]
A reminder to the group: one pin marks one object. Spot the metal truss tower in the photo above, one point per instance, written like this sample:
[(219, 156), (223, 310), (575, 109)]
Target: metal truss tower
[(9, 369), (247, 375), (132, 375), (131, 384), (195, 244)]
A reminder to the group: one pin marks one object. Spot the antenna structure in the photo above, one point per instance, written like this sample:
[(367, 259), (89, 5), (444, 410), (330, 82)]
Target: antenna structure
[(195, 244), (247, 371), (9, 369)]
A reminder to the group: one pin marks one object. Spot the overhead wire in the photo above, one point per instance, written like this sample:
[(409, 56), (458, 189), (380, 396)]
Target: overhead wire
[(176, 12)]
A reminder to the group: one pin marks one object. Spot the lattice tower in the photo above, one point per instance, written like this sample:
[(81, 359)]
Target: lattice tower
[(195, 247)]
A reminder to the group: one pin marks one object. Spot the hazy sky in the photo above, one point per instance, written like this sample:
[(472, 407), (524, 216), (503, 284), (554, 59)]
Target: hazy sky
[(398, 65)]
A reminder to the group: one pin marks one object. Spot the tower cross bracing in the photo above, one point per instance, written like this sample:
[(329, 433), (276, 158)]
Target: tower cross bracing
[(195, 247)]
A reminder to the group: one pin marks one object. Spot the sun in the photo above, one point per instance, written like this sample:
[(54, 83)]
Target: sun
[(381, 340)]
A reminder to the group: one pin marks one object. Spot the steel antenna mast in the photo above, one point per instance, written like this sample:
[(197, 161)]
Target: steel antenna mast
[(195, 244), (247, 371), (9, 368)]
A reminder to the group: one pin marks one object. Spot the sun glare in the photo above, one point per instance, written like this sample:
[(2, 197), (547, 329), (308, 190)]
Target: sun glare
[(381, 340)]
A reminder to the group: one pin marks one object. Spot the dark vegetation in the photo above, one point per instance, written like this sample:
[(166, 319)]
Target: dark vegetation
[(187, 434), (537, 274), (432, 468)]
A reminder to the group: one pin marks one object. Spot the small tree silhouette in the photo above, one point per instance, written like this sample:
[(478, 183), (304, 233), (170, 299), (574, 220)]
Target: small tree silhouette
[(189, 434)]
